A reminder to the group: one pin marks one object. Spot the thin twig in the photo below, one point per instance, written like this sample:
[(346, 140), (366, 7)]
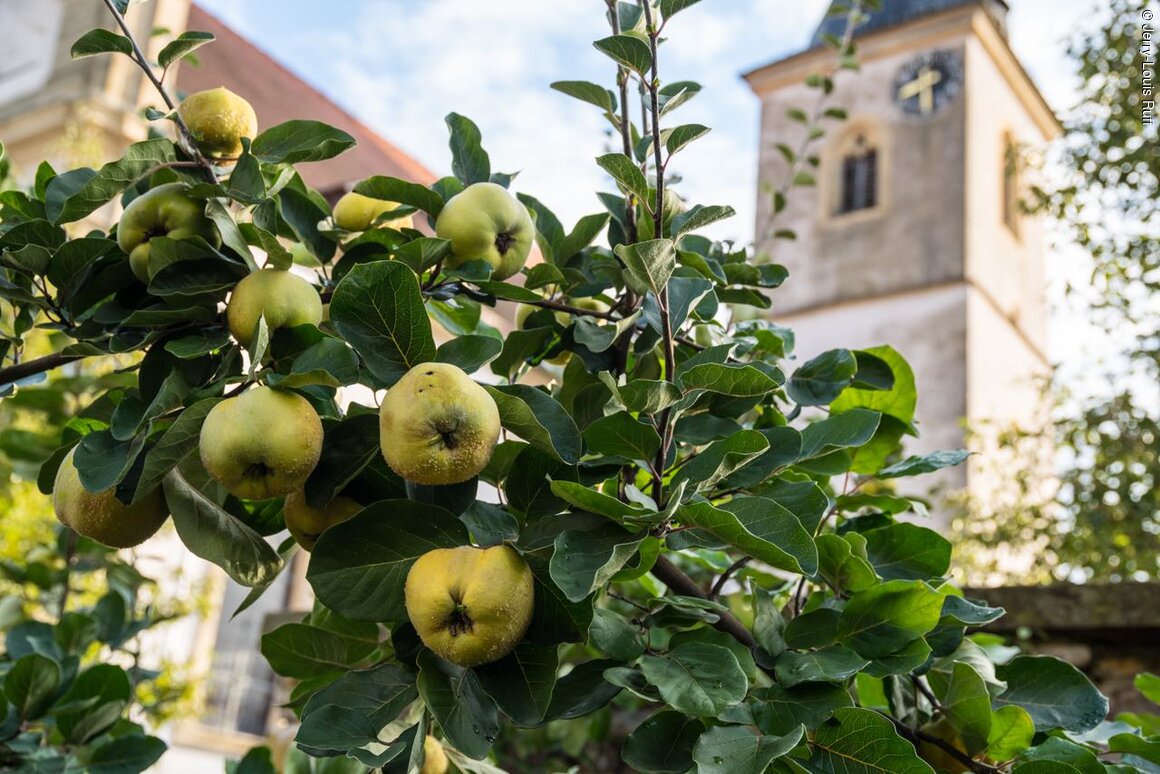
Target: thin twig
[(574, 310), (185, 137), (724, 578)]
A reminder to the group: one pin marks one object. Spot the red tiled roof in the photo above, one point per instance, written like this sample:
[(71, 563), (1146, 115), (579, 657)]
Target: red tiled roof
[(278, 95)]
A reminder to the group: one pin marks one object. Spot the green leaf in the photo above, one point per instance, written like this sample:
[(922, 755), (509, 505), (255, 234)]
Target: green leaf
[(839, 431), (833, 664), (842, 565), (663, 743), (916, 466), (628, 175), (358, 567), (182, 45), (670, 8), (588, 499), (697, 218), (521, 683), (780, 710), (582, 691), (216, 536), (643, 396), (469, 352), (967, 705), (468, 716), (1054, 693), (1131, 744), (554, 617), (1012, 730), (898, 402), (104, 691), (100, 41), (621, 435), (627, 50), (31, 683), (721, 458), (178, 441), (587, 229), (682, 135), (884, 619), (588, 92), (697, 678), (965, 612), (423, 253), (392, 189), (64, 204), (1060, 756), (615, 635), (739, 381), (908, 552), (378, 308), (861, 740), (469, 161), (821, 380), (302, 651), (351, 711), (296, 141), (738, 750), (584, 560), (125, 755), (759, 527), (539, 419), (648, 265)]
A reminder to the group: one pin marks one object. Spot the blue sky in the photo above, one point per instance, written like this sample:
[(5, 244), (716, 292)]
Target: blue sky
[(402, 65)]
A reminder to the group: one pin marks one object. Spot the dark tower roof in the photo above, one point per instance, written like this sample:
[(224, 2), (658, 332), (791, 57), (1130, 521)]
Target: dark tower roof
[(892, 12)]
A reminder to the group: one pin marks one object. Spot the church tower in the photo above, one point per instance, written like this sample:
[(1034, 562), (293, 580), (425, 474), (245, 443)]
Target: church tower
[(913, 233)]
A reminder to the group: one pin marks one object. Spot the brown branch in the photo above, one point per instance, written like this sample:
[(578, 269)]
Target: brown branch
[(15, 373), (914, 736), (673, 577)]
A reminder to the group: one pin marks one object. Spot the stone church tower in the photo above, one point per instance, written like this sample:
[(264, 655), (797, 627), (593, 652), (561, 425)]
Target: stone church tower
[(913, 234)]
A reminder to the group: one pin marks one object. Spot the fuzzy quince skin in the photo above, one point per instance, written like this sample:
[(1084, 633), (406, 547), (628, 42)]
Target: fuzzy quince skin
[(470, 605), (218, 119), (162, 211), (100, 515), (437, 426), (282, 297), (263, 443), (485, 222), (306, 524), (355, 212), (434, 758)]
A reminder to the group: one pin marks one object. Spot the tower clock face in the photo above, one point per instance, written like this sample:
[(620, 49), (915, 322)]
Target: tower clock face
[(30, 32), (927, 84)]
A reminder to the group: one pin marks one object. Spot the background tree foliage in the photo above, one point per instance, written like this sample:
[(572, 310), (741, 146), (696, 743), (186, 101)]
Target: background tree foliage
[(720, 570), (1103, 522)]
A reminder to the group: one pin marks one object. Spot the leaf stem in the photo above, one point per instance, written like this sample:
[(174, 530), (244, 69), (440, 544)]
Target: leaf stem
[(914, 736)]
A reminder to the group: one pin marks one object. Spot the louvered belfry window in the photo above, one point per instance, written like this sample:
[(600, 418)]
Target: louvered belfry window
[(859, 180)]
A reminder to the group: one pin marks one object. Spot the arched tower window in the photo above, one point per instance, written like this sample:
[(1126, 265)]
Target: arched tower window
[(859, 176)]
